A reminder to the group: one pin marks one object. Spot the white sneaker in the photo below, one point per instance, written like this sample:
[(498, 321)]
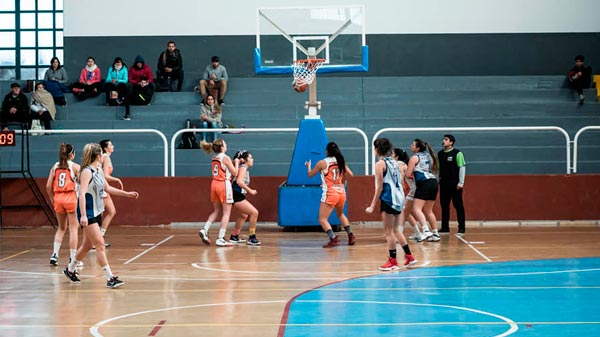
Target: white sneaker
[(221, 242), (433, 238), (426, 235), (204, 236)]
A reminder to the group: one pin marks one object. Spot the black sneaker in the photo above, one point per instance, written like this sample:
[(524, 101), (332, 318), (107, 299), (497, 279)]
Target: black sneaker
[(114, 282), (71, 276), (236, 239), (126, 118), (444, 230), (221, 102), (106, 244), (253, 241), (54, 259)]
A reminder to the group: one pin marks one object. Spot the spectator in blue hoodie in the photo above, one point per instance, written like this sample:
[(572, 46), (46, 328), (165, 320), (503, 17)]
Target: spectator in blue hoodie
[(117, 86)]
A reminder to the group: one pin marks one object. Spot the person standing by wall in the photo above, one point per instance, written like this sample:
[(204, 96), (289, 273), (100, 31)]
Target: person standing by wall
[(452, 180)]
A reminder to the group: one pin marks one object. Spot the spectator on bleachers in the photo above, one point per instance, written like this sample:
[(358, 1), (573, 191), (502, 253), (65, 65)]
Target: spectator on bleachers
[(142, 82), (214, 81), (210, 117), (42, 106), (580, 77), (117, 86), (90, 81), (56, 81), (170, 68), (15, 107)]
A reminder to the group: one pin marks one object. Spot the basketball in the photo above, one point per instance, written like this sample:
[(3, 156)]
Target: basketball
[(300, 86)]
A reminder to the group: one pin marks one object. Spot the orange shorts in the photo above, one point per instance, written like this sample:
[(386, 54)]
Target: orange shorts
[(65, 202), (334, 198), (221, 191)]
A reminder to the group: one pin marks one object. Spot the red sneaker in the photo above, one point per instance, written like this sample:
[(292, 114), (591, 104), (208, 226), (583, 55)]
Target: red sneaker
[(391, 264), (351, 239), (409, 260), (332, 243)]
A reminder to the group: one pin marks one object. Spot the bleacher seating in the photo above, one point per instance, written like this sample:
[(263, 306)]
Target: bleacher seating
[(368, 103)]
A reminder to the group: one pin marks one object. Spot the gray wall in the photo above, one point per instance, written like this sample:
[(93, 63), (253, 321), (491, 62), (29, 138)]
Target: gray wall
[(390, 54)]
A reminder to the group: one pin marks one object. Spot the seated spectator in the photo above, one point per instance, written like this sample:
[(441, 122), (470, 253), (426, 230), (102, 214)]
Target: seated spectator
[(14, 107), (117, 86), (90, 81), (169, 68), (214, 81), (580, 77), (142, 82), (56, 80), (42, 106), (210, 117)]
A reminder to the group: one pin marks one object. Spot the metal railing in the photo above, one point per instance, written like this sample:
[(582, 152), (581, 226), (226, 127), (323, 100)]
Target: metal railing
[(499, 128), (576, 143), (255, 130), (81, 131)]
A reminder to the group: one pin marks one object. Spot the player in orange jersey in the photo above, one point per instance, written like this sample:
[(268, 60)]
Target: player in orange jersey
[(62, 190), (221, 193), (333, 171)]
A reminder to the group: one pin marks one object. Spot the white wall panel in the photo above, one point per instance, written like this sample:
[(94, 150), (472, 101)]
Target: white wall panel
[(238, 17)]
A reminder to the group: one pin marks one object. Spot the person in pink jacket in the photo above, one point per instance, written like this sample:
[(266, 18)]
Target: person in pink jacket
[(89, 84)]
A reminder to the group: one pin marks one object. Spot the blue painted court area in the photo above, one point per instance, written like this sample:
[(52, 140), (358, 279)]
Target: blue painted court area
[(523, 298)]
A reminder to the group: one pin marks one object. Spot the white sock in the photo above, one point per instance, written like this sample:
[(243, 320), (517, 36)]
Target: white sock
[(56, 247), (425, 228), (207, 226), (107, 272), (221, 233), (72, 265), (434, 231), (72, 253), (103, 231)]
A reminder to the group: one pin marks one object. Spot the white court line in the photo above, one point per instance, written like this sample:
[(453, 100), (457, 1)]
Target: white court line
[(149, 249), (94, 329), (474, 249), (513, 326)]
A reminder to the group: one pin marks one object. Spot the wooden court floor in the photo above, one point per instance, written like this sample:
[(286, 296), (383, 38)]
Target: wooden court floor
[(175, 286)]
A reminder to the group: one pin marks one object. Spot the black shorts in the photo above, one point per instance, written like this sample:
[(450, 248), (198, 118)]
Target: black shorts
[(427, 189), (238, 196), (385, 207), (95, 220)]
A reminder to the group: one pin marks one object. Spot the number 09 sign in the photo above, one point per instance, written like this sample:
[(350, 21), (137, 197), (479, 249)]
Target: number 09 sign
[(7, 138)]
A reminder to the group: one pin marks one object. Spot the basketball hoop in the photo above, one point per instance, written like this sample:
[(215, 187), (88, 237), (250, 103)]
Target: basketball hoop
[(305, 70)]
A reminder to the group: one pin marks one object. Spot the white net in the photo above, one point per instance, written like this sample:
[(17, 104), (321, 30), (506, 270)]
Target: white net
[(306, 70)]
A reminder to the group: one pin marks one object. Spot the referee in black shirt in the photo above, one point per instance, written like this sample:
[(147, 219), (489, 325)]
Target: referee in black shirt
[(452, 180)]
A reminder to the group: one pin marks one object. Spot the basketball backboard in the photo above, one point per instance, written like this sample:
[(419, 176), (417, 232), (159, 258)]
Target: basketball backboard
[(287, 34)]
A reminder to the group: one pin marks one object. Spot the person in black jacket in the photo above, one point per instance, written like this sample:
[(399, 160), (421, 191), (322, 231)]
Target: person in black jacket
[(15, 107), (580, 77), (452, 180), (170, 67)]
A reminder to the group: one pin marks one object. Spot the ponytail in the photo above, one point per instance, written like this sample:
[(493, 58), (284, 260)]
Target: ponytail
[(434, 167), (216, 146), (333, 150), (63, 155)]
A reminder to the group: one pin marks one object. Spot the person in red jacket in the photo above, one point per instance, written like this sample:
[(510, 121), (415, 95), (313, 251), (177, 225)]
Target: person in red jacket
[(142, 82)]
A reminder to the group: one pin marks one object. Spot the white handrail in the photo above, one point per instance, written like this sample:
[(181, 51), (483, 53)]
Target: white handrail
[(498, 128), (576, 143), (79, 131), (179, 132)]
